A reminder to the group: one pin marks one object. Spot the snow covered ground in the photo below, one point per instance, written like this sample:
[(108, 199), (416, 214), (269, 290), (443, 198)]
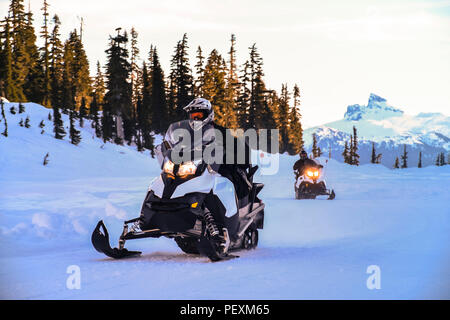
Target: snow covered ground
[(398, 220)]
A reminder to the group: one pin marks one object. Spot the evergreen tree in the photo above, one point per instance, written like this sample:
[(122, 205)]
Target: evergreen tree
[(438, 160), (45, 59), (56, 65), (5, 132), (346, 153), (315, 149), (27, 122), (83, 111), (373, 159), (442, 159), (12, 109), (419, 165), (117, 100), (20, 61), (34, 80), (404, 158), (49, 116), (93, 112), (158, 102), (295, 126), (136, 73), (397, 163), (76, 78), (75, 136), (8, 87), (181, 81), (243, 103), (232, 82), (283, 119), (58, 124), (199, 74), (21, 122), (214, 90), (354, 148), (21, 108)]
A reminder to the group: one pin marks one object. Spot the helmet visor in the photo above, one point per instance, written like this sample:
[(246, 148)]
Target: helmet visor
[(196, 115)]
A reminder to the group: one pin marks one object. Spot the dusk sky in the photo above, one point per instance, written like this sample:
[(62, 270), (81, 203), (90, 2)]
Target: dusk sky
[(338, 52)]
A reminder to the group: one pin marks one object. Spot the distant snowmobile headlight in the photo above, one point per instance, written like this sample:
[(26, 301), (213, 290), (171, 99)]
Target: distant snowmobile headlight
[(316, 173), (309, 173), (168, 167), (186, 169)]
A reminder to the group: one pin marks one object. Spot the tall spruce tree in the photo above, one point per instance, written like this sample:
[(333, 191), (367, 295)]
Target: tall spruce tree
[(295, 126), (419, 165), (214, 89), (56, 65), (158, 100), (45, 59), (181, 81), (117, 100), (8, 87), (315, 149), (373, 158), (354, 148), (199, 74), (404, 157), (75, 136), (58, 124)]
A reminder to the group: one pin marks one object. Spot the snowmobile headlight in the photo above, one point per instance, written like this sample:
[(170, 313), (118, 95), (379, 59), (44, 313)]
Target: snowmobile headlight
[(168, 167), (186, 169), (316, 173), (309, 173)]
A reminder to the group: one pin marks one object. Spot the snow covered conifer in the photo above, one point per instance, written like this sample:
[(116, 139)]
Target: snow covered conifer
[(21, 122), (12, 110), (49, 116), (354, 156), (419, 165)]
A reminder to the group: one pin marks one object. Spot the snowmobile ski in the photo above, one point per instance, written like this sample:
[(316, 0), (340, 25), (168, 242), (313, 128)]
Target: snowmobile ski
[(100, 241)]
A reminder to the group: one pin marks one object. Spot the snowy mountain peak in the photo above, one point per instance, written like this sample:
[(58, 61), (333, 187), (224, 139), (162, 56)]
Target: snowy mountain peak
[(376, 109)]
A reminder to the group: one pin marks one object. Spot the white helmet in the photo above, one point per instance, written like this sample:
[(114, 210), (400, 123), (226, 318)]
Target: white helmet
[(203, 106)]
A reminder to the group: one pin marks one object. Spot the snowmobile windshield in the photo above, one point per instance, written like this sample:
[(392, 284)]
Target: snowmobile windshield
[(188, 139)]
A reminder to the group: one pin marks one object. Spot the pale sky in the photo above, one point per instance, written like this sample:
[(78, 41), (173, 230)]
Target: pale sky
[(338, 52)]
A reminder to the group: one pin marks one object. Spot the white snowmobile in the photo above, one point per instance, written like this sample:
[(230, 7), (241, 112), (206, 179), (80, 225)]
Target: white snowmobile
[(194, 205), (310, 183)]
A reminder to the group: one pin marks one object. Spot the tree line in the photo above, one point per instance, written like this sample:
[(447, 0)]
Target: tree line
[(130, 99)]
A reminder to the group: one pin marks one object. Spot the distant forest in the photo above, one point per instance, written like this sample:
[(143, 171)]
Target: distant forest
[(129, 102)]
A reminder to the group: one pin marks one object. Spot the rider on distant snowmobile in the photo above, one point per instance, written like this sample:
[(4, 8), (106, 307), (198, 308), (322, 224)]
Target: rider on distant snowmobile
[(200, 109), (303, 163)]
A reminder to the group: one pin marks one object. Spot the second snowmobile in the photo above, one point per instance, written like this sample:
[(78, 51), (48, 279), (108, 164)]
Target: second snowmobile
[(310, 183), (194, 205)]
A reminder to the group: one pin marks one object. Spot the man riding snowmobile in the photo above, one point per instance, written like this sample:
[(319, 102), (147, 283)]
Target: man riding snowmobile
[(309, 182), (207, 207), (304, 162)]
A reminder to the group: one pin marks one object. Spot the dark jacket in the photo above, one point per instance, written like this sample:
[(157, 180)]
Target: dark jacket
[(300, 165)]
